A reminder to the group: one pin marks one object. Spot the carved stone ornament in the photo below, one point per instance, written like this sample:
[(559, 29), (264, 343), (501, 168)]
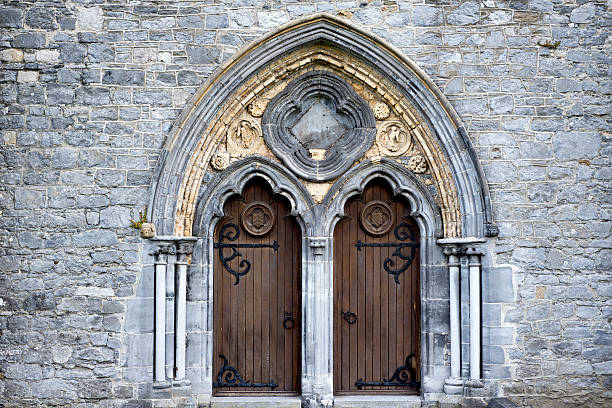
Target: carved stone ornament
[(220, 161), (256, 108), (147, 230), (381, 111), (257, 218), (243, 135), (318, 126), (417, 164), (376, 218), (393, 139)]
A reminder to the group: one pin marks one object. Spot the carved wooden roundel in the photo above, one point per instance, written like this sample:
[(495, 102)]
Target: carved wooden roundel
[(257, 218), (376, 218)]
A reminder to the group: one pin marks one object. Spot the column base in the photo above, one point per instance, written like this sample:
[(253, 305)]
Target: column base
[(453, 386), (181, 383), (162, 384)]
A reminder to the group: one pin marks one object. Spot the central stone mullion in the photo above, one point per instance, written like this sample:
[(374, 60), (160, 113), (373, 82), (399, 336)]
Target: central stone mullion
[(317, 334)]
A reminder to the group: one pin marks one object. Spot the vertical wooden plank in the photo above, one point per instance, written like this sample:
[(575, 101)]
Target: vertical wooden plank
[(274, 313), (376, 272), (288, 306)]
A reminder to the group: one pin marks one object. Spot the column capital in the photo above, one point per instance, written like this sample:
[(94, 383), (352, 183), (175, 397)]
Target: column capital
[(161, 252), (184, 249)]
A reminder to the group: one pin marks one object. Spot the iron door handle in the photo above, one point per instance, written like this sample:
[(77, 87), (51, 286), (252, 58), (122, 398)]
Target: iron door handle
[(289, 322), (349, 316)]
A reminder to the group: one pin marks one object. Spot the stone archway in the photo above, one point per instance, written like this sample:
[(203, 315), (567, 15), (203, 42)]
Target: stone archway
[(410, 137)]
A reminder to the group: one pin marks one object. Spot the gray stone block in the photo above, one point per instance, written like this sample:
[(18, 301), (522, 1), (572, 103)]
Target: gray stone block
[(501, 403), (29, 198), (426, 16), (95, 238), (201, 55), (115, 217), (139, 317), (467, 13), (30, 40), (123, 77), (159, 98), (38, 17), (72, 53), (11, 17), (87, 95)]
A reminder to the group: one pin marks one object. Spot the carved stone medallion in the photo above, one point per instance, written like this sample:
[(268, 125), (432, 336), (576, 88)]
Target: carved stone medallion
[(376, 218), (318, 126), (381, 111), (417, 164), (392, 139), (257, 218), (243, 135), (256, 108), (220, 161)]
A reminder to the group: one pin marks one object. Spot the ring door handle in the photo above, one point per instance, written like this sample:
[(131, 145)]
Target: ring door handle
[(349, 316), (288, 322)]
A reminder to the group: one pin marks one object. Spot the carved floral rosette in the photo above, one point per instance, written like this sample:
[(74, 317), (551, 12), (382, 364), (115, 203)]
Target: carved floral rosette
[(376, 218), (220, 161), (417, 164), (381, 111), (257, 218)]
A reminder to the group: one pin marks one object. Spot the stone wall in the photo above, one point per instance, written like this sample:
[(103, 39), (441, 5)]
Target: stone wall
[(90, 90)]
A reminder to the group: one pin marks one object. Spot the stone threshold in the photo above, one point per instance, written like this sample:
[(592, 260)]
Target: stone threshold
[(256, 402), (378, 401)]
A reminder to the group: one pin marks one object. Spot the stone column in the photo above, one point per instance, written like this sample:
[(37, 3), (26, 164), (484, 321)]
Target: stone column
[(317, 327), (184, 250), (454, 384), (475, 305), (161, 263)]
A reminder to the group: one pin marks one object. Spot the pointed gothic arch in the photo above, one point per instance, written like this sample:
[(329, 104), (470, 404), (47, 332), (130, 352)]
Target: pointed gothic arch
[(463, 192), (201, 166)]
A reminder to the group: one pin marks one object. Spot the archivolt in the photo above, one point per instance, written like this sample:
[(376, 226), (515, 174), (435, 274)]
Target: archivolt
[(322, 42)]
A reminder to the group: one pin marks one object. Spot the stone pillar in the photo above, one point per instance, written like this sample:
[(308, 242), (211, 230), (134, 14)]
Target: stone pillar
[(317, 327), (454, 384), (184, 250), (161, 263), (475, 305)]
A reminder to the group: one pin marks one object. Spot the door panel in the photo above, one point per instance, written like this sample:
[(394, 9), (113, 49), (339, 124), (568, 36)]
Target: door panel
[(376, 296), (257, 296)]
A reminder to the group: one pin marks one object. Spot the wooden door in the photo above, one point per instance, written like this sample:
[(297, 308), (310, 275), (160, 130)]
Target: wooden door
[(376, 296), (257, 302)]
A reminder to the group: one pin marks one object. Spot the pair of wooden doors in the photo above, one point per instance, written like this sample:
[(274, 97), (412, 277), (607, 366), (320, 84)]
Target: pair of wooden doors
[(257, 296)]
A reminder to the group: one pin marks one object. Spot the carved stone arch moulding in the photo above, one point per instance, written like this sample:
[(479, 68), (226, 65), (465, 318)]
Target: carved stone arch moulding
[(360, 86), (318, 126)]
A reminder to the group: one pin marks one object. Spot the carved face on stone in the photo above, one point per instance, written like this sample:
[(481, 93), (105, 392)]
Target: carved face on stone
[(147, 230)]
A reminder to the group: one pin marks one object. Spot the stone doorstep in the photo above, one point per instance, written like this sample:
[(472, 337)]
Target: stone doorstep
[(256, 402), (378, 401)]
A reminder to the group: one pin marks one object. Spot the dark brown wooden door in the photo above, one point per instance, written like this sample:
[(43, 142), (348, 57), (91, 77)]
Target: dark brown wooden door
[(257, 302), (376, 296)]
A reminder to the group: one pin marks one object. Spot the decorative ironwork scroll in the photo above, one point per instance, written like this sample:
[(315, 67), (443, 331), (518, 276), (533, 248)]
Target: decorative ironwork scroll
[(401, 235), (231, 232), (404, 376), (228, 376)]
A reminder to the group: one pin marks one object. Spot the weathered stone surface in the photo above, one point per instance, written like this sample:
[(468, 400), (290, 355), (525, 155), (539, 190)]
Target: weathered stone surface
[(467, 13), (29, 40), (11, 17), (427, 16), (91, 91), (90, 18), (583, 14)]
